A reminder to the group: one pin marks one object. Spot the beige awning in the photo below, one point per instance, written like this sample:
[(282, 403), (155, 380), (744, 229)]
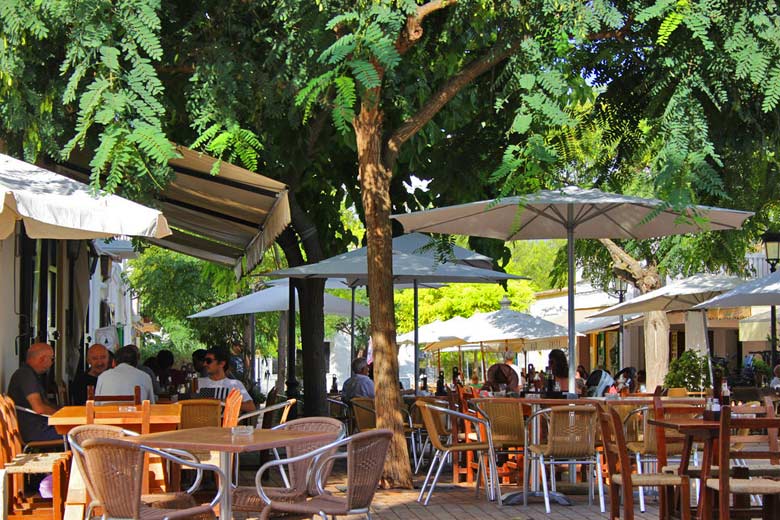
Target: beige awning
[(55, 206), (230, 218)]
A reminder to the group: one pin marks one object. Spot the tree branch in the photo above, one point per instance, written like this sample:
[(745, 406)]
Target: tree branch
[(414, 30), (449, 90), (644, 278)]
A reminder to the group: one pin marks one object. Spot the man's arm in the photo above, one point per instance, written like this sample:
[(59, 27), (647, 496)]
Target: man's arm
[(39, 405)]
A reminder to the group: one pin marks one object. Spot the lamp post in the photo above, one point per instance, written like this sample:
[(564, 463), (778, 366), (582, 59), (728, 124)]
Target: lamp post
[(619, 287), (772, 251)]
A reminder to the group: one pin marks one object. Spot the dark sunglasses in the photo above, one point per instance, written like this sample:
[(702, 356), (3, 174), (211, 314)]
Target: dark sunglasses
[(209, 360)]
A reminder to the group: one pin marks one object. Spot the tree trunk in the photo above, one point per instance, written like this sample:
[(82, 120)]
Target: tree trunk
[(656, 348), (315, 365), (375, 188)]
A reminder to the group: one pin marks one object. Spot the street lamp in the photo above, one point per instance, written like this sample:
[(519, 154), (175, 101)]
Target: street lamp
[(619, 287), (772, 251)]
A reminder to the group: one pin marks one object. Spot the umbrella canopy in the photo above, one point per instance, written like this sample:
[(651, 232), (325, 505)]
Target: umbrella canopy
[(439, 333), (406, 269), (756, 327), (419, 244), (276, 298), (676, 296), (568, 213), (54, 206), (759, 291)]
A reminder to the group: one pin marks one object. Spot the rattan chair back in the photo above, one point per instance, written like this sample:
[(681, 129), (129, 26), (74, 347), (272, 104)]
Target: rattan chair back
[(364, 413), (232, 409), (677, 392), (299, 471), (434, 421), (505, 416), (417, 418), (80, 434), (115, 472), (197, 413), (366, 453), (572, 431)]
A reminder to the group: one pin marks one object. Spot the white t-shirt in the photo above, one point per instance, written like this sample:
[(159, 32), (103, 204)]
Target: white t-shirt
[(520, 381), (122, 380), (225, 383)]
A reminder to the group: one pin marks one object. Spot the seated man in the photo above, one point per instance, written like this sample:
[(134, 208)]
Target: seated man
[(359, 385), (774, 384), (503, 374), (27, 390), (216, 362), (97, 359), (123, 379)]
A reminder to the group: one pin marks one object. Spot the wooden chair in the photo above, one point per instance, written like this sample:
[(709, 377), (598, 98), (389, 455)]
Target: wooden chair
[(571, 439), (135, 418), (232, 409), (298, 486), (620, 476), (365, 454), (16, 463), (135, 398), (740, 480), (114, 470), (434, 417)]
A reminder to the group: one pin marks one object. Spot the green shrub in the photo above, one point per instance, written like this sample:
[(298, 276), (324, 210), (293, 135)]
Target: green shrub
[(689, 371)]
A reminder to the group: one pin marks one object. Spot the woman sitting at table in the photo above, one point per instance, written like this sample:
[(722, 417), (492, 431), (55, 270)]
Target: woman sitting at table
[(559, 367)]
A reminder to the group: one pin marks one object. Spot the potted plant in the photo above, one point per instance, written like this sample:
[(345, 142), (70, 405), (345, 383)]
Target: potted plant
[(689, 371)]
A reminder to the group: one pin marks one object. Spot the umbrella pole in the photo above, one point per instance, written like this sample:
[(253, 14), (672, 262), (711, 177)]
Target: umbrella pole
[(570, 295), (482, 354), (460, 360), (416, 340), (352, 325), (438, 362)]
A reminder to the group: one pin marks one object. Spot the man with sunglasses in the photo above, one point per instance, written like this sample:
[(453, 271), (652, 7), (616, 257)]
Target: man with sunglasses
[(216, 365)]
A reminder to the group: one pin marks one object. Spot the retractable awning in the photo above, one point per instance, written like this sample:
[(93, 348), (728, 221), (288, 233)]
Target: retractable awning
[(55, 206), (222, 218)]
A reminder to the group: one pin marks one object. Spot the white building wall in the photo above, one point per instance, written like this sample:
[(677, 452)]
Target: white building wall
[(9, 321)]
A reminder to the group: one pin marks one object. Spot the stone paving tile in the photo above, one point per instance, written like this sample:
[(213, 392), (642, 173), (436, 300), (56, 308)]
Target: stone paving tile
[(459, 502)]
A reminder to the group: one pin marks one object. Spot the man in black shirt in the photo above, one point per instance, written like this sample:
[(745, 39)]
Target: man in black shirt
[(27, 390), (97, 359)]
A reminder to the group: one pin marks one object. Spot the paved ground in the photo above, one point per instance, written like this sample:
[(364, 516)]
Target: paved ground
[(459, 502)]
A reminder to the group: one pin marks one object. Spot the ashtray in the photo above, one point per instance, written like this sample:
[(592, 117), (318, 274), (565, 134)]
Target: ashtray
[(242, 430), (127, 409)]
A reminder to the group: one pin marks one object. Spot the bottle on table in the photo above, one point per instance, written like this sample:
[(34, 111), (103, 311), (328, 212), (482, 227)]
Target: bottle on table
[(725, 394)]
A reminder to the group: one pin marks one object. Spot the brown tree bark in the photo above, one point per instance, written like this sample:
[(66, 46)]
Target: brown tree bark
[(375, 188), (656, 325)]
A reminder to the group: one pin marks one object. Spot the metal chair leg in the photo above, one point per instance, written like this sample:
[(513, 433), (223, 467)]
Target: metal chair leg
[(641, 489), (600, 481), (435, 478), (544, 484), (434, 459), (422, 454)]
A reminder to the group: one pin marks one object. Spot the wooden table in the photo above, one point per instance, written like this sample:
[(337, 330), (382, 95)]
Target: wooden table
[(213, 438), (164, 417), (698, 430)]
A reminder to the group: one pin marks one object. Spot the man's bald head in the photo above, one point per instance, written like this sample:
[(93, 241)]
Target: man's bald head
[(97, 358), (40, 357)]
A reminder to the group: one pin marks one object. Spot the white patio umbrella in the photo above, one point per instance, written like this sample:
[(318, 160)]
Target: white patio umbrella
[(759, 291), (54, 206), (756, 327), (570, 213), (276, 298), (681, 295)]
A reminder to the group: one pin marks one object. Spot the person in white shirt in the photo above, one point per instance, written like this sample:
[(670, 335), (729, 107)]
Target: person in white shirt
[(774, 384), (123, 379), (216, 363)]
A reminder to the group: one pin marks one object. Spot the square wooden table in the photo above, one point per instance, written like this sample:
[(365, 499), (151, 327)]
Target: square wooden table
[(699, 430), (213, 438)]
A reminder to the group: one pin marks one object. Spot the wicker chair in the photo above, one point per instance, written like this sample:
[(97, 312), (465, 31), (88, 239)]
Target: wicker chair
[(114, 470), (365, 456), (743, 481), (571, 439), (197, 413), (176, 500), (299, 486), (417, 423), (433, 418), (507, 424), (364, 416), (619, 467)]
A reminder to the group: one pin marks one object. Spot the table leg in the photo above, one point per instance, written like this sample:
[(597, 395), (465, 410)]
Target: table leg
[(704, 510), (226, 464)]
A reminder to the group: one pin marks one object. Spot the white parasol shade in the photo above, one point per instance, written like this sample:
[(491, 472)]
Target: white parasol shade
[(54, 206), (276, 298), (756, 327), (759, 291), (570, 213), (676, 296), (439, 333)]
